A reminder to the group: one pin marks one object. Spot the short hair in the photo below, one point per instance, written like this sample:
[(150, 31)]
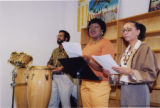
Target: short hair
[(66, 34), (142, 29), (98, 21)]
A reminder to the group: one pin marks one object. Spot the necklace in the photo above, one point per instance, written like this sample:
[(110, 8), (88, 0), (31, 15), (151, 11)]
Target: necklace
[(126, 56)]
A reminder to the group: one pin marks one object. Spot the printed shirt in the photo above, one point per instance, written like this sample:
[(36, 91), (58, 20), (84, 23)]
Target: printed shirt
[(57, 53)]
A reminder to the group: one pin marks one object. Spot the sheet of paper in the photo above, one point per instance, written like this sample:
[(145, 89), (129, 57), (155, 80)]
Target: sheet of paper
[(107, 62), (73, 49)]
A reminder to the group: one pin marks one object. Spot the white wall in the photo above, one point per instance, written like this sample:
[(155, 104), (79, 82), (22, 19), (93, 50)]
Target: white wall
[(133, 7), (32, 27)]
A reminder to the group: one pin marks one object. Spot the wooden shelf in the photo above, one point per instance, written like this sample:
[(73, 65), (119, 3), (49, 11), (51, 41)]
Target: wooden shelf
[(141, 16), (156, 50), (153, 32), (111, 23), (156, 88), (153, 104), (113, 40)]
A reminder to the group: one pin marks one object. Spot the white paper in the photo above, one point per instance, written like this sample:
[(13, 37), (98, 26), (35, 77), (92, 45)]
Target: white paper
[(107, 62), (72, 49)]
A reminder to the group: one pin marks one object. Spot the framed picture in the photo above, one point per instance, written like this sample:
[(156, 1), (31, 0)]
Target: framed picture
[(104, 9), (154, 5), (107, 10)]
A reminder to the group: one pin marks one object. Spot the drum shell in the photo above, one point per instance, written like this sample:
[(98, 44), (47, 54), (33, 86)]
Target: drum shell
[(39, 87), (21, 88)]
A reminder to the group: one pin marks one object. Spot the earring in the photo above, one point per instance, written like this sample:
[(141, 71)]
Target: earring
[(102, 34)]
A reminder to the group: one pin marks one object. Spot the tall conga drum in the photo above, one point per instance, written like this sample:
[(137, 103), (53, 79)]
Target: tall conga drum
[(39, 87), (21, 88)]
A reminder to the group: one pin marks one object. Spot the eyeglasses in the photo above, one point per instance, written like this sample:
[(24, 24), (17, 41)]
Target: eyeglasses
[(126, 30)]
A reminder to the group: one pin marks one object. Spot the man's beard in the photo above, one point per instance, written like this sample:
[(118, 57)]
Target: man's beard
[(60, 42)]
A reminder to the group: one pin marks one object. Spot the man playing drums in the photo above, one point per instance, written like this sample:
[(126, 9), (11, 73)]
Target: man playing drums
[(62, 84)]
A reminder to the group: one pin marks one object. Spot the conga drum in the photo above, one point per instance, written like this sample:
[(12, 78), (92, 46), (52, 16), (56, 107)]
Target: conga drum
[(39, 87), (21, 88)]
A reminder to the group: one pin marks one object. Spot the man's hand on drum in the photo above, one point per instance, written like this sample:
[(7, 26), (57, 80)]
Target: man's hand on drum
[(51, 67), (58, 70)]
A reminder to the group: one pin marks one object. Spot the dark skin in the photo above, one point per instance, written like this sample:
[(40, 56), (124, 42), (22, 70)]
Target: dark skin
[(59, 38), (95, 32), (96, 66), (89, 61)]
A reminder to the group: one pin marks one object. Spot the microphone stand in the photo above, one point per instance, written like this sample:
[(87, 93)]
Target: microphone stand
[(78, 76), (78, 83), (13, 84)]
